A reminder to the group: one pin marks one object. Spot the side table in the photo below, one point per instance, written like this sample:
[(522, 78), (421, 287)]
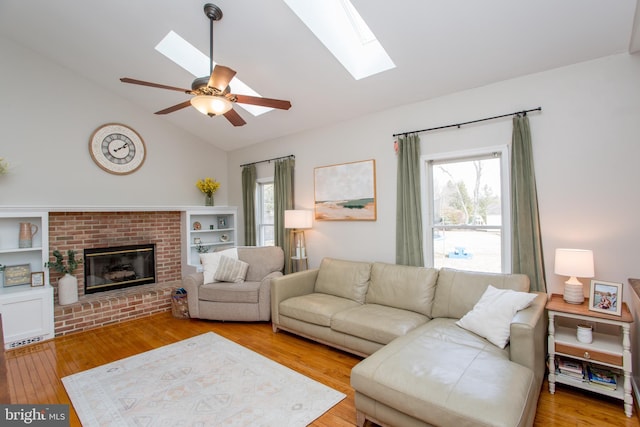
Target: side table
[(609, 350)]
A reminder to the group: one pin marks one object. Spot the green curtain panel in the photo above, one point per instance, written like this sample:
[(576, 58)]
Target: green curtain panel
[(249, 204), (526, 239), (409, 249), (283, 200)]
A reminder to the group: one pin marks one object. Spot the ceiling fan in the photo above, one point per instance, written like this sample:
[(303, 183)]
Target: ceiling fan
[(212, 94)]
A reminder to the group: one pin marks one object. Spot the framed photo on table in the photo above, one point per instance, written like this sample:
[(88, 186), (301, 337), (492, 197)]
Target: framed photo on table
[(37, 278), (606, 297)]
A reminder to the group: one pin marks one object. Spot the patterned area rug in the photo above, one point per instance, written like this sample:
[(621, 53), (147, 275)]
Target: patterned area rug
[(206, 380)]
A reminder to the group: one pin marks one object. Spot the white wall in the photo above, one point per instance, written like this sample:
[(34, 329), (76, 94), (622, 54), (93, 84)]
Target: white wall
[(47, 144), (586, 144), (585, 147)]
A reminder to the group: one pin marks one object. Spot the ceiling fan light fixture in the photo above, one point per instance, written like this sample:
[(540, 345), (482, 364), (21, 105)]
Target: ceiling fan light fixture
[(211, 105)]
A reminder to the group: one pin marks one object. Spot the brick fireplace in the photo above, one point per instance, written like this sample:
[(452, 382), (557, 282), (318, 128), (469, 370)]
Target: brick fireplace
[(86, 230)]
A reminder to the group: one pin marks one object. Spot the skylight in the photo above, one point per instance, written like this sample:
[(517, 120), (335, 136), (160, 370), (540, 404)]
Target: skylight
[(339, 26), (195, 62)]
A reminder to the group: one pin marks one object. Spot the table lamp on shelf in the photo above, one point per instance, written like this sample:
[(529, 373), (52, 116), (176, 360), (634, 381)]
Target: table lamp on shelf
[(574, 263), (298, 220)]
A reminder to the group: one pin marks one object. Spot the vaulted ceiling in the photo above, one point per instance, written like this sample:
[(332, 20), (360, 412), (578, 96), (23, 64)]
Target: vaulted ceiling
[(439, 47)]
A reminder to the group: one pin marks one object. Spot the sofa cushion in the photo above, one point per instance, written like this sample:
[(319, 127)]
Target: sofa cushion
[(243, 292), (402, 286), (211, 260), (443, 382), (458, 291), (346, 279), (377, 323), (445, 329), (491, 316), (231, 270), (316, 308)]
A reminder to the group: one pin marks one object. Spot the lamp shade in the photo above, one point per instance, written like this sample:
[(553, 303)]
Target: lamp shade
[(574, 262), (211, 105), (298, 219)]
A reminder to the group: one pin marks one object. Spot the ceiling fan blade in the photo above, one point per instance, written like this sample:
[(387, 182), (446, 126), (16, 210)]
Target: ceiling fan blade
[(220, 77), (234, 118), (174, 108), (159, 86), (263, 102)]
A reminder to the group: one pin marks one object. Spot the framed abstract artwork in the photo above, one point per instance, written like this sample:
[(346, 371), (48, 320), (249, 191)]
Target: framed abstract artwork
[(346, 192)]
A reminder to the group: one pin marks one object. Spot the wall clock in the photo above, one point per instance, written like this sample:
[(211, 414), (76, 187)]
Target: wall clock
[(117, 149)]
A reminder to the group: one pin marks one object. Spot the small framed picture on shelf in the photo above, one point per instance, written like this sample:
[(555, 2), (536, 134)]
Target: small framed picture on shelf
[(37, 278), (222, 222), (606, 297)]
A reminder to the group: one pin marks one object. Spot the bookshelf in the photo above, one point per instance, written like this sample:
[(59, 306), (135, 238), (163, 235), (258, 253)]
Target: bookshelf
[(206, 229), (609, 351)]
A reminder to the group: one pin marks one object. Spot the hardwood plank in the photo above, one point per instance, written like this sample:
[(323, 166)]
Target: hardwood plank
[(34, 372)]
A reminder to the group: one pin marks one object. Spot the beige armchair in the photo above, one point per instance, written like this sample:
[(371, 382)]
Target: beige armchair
[(248, 300)]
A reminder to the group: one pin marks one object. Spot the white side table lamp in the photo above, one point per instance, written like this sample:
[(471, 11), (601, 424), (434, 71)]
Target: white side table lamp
[(574, 263)]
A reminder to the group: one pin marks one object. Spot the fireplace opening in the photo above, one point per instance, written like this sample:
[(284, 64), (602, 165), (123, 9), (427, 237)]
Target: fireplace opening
[(118, 267)]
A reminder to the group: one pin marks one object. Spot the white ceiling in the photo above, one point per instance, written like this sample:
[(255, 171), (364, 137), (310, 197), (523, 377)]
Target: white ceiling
[(439, 47)]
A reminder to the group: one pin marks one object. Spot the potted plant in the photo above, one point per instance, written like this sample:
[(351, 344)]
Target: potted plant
[(67, 284)]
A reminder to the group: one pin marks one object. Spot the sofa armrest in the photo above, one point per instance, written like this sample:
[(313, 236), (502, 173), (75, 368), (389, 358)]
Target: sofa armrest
[(289, 286), (191, 283), (528, 330)]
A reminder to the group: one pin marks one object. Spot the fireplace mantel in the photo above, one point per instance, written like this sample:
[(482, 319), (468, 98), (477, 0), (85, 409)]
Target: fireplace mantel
[(103, 208)]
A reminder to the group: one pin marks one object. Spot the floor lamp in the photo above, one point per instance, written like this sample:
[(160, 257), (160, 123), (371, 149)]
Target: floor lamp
[(298, 221)]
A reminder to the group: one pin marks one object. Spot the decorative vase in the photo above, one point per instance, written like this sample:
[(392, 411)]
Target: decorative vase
[(208, 199), (67, 289), (27, 231), (585, 334)]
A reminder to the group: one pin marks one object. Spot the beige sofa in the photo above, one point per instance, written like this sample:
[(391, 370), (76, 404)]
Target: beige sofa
[(247, 300), (421, 367)]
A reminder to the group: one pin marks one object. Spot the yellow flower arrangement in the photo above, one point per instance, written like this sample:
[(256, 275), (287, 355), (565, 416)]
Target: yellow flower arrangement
[(208, 186)]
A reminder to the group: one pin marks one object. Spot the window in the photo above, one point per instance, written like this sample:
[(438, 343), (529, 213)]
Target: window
[(264, 214), (339, 26), (468, 213)]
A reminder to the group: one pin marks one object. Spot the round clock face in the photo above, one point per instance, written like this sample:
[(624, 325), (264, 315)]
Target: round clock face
[(117, 149)]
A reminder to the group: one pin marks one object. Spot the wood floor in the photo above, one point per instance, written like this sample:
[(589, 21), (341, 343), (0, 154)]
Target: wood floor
[(34, 372)]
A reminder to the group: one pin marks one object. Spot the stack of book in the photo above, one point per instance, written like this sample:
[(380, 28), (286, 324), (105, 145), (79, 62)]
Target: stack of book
[(568, 368), (602, 377)]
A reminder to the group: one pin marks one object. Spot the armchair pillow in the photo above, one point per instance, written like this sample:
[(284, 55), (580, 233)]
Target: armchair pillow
[(491, 316), (210, 262), (231, 270)]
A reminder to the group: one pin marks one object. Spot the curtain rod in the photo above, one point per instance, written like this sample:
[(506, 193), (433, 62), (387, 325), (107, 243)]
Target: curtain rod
[(290, 156), (524, 112)]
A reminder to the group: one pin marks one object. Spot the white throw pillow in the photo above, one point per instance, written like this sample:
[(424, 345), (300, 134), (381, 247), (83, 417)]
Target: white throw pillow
[(210, 262), (231, 270), (491, 316)]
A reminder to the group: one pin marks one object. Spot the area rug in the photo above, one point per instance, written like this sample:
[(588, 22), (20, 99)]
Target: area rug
[(206, 380)]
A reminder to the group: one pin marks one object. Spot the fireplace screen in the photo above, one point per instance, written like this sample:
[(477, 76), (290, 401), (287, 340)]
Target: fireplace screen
[(118, 267)]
